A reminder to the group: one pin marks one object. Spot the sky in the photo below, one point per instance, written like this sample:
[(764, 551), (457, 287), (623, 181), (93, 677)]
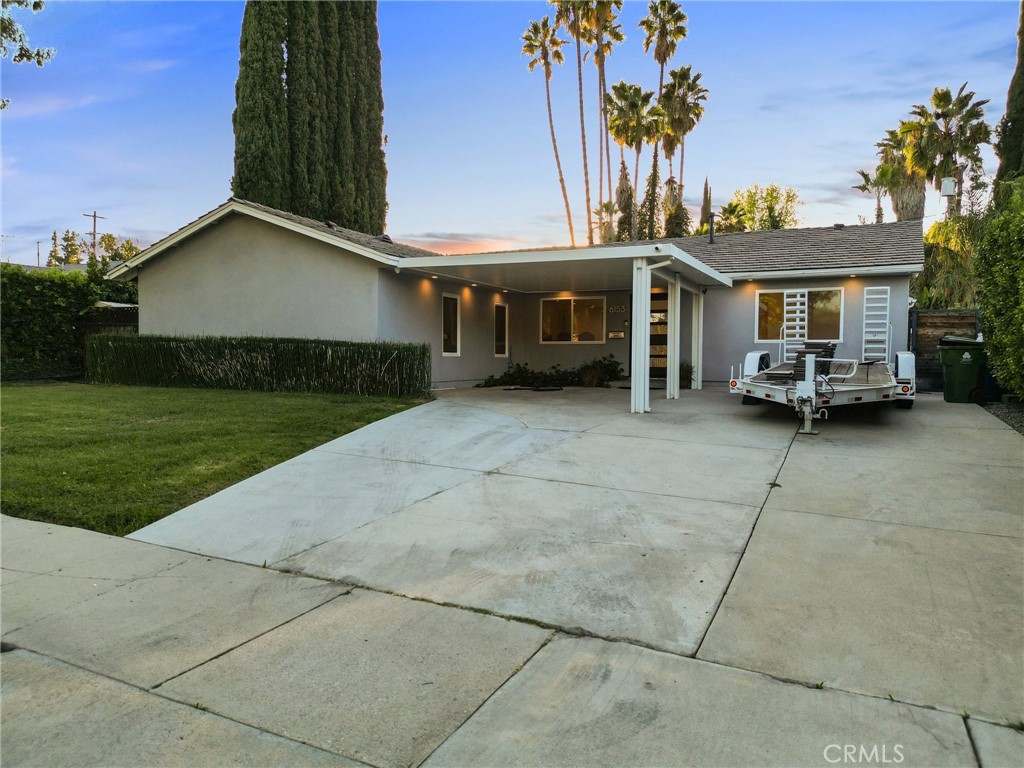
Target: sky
[(132, 117)]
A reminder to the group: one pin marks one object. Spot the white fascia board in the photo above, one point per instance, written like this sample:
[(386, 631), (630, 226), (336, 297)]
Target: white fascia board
[(714, 276), (132, 264), (128, 268), (627, 252), (894, 269), (530, 257), (294, 226)]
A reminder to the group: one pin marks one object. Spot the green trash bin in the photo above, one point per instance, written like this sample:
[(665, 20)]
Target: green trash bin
[(963, 363)]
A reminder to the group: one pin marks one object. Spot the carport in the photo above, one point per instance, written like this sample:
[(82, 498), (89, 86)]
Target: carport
[(613, 267)]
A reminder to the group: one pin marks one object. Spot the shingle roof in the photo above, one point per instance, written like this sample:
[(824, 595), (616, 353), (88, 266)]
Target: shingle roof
[(350, 235), (826, 248), (863, 245)]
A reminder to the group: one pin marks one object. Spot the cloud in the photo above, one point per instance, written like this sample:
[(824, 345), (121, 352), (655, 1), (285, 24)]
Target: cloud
[(460, 242), (151, 65), (36, 105), (1001, 54)]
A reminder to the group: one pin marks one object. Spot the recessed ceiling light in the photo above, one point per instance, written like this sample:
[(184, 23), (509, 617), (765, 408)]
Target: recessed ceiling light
[(433, 277), (473, 285), (852, 275)]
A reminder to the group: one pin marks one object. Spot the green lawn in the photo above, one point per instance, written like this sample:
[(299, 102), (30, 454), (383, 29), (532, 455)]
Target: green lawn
[(114, 459)]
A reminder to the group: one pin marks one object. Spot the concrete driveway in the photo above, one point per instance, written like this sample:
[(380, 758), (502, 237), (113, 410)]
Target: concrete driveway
[(521, 578)]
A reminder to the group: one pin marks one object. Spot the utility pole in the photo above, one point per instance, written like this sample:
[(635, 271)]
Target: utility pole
[(93, 216), (38, 243)]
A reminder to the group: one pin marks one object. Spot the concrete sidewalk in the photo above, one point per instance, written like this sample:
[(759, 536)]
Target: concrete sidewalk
[(508, 578)]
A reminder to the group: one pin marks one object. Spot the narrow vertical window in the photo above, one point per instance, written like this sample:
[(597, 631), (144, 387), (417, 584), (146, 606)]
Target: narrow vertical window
[(501, 330), (450, 325)]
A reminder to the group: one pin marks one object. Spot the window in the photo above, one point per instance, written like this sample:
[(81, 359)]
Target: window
[(501, 330), (572, 321), (823, 307), (450, 325)]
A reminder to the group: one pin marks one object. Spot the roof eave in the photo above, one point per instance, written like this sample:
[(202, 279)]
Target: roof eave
[(849, 271), (129, 269)]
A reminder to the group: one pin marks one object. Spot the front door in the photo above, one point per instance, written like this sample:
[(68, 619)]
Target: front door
[(659, 334)]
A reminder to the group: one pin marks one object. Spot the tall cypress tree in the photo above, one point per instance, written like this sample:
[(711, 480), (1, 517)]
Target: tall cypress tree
[(649, 220), (260, 118), (705, 206), (330, 149)]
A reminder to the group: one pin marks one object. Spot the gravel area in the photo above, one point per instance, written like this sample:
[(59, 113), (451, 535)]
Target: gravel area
[(1011, 413)]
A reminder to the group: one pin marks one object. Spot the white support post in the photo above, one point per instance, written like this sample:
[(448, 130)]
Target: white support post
[(697, 339), (640, 361), (672, 375)]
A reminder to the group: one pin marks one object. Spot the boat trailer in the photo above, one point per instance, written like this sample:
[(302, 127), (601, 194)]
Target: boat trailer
[(816, 381)]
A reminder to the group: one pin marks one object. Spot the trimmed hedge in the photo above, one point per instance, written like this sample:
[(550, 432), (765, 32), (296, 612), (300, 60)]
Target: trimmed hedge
[(389, 369), (43, 318)]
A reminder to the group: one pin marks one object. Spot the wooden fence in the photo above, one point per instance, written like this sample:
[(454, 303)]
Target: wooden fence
[(927, 326)]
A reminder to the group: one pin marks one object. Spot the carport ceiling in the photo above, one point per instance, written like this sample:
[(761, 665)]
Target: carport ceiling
[(603, 269)]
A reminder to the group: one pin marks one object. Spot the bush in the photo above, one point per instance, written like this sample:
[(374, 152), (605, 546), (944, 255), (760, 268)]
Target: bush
[(389, 369), (597, 373), (43, 317), (1001, 291)]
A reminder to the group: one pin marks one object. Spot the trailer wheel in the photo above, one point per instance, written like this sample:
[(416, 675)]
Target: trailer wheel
[(906, 405), (748, 400)]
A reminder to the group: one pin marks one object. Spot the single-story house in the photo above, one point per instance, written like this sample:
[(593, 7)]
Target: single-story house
[(247, 270)]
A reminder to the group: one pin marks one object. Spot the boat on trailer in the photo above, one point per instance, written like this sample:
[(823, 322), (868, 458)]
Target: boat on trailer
[(816, 381)]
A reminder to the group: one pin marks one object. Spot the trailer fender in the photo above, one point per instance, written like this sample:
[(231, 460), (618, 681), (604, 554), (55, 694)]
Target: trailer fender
[(755, 362)]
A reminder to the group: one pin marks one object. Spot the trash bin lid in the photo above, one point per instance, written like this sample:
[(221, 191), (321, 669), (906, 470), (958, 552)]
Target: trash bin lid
[(959, 341)]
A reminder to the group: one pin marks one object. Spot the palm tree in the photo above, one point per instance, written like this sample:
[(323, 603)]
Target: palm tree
[(682, 101), (944, 139), (606, 32), (606, 221), (574, 16), (663, 27), (732, 218), (879, 185), (541, 42), (632, 121), (907, 186)]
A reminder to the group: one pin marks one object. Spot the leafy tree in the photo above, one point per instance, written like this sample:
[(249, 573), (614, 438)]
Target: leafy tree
[(771, 207), (1001, 290), (682, 99), (541, 42), (906, 186), (649, 215), (943, 139), (663, 27), (947, 279), (677, 218), (878, 185), (634, 120), (117, 250), (260, 118), (70, 247), (1009, 143), (574, 16), (14, 40)]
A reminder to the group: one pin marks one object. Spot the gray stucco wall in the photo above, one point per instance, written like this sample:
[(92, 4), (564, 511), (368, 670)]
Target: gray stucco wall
[(729, 315), (410, 310), (525, 331), (244, 277)]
